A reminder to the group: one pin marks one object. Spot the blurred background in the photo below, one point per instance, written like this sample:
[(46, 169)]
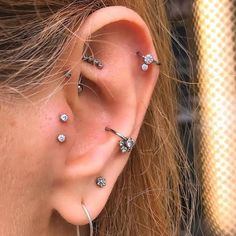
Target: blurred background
[(204, 44)]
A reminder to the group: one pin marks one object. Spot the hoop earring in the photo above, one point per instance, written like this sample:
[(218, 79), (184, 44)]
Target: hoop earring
[(89, 219)]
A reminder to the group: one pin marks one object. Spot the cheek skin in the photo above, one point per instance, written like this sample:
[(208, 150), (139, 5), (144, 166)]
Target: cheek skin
[(30, 157)]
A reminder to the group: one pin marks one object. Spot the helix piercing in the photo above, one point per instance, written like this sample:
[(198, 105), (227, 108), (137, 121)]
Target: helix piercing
[(89, 219), (148, 60), (101, 182), (64, 117), (93, 61), (126, 143), (68, 74), (61, 138)]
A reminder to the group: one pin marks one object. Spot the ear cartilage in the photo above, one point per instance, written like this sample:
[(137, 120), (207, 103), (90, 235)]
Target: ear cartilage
[(93, 61), (101, 182), (126, 143), (61, 138), (148, 60), (64, 118)]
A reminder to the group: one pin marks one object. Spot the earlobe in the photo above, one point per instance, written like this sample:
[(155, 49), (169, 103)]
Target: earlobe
[(117, 98)]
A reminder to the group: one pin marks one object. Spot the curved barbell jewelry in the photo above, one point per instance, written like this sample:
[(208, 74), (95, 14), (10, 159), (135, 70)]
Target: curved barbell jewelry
[(126, 143)]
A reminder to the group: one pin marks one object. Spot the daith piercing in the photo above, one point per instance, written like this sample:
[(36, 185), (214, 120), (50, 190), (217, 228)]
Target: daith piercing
[(93, 61), (148, 60)]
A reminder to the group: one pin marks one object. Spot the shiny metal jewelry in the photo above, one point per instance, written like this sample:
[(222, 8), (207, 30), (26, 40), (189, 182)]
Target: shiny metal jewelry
[(101, 182), (148, 60), (61, 138), (68, 74), (89, 219), (93, 61), (126, 143), (64, 118), (80, 86)]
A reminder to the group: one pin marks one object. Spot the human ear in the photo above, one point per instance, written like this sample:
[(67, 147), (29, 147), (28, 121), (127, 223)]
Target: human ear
[(116, 96)]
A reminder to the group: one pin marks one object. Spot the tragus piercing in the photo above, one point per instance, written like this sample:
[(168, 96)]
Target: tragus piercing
[(148, 60), (126, 143), (101, 182), (64, 117), (61, 138), (93, 61)]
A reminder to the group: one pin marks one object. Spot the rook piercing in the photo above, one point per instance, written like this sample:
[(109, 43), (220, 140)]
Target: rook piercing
[(93, 61), (126, 144), (101, 182), (61, 138), (64, 118), (148, 59)]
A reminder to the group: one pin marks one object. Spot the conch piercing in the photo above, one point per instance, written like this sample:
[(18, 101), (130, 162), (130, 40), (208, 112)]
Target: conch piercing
[(101, 182), (148, 60), (126, 143), (93, 61), (61, 138)]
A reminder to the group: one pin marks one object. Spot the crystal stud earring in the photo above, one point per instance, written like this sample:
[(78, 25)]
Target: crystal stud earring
[(148, 60), (80, 86), (64, 118), (101, 182), (126, 143), (61, 138)]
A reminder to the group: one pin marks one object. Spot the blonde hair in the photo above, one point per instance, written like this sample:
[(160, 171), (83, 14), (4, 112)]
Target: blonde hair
[(150, 194)]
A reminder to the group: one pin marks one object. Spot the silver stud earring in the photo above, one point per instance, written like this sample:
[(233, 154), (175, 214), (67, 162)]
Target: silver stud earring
[(126, 143), (61, 138), (93, 61), (68, 74), (101, 182), (148, 60), (64, 118)]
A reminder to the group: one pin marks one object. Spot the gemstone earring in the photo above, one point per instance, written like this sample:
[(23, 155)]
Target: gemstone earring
[(61, 138), (101, 182), (148, 60), (126, 143)]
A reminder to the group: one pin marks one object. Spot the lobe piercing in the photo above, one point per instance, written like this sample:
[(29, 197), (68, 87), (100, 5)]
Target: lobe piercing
[(64, 118), (148, 60), (126, 143), (89, 220), (101, 182), (93, 61), (61, 138)]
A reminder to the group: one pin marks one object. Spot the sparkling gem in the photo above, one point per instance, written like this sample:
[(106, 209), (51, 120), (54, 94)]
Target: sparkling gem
[(64, 117), (61, 138), (144, 67), (130, 143), (148, 59), (101, 182)]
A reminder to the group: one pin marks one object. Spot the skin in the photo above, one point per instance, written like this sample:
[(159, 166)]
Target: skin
[(44, 182)]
